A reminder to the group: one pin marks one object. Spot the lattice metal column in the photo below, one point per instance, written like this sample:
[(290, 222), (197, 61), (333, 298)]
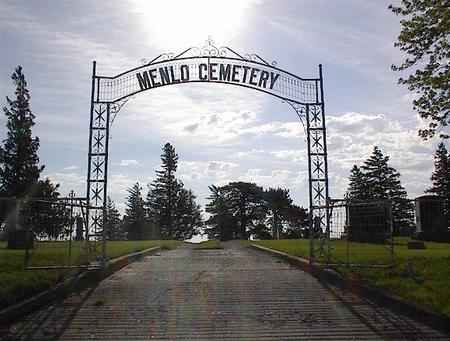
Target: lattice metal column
[(97, 165), (318, 176)]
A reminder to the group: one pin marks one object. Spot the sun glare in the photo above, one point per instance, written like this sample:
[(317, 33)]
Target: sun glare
[(178, 24)]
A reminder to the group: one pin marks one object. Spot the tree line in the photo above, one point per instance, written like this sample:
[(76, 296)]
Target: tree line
[(169, 210), (375, 179), (236, 210), (240, 210)]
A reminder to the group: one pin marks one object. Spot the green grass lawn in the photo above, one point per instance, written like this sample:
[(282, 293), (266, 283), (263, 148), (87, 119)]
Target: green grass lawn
[(420, 276), (209, 245), (16, 283)]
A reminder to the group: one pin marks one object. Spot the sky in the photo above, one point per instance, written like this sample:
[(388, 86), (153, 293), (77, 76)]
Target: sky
[(221, 133)]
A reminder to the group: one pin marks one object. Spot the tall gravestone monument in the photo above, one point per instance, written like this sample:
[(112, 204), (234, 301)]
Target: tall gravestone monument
[(431, 220), (369, 222)]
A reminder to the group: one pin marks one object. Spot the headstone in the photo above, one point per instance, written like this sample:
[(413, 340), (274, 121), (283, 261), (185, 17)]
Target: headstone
[(79, 228), (431, 221), (20, 239), (416, 245), (369, 222)]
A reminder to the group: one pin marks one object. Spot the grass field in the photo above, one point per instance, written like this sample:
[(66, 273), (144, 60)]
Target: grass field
[(420, 276), (16, 283), (209, 245)]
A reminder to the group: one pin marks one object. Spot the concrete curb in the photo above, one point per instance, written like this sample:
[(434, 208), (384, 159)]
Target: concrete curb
[(72, 284), (395, 303)]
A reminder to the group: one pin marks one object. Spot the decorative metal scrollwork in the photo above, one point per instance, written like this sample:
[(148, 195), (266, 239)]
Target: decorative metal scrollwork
[(253, 57), (208, 50), (300, 110)]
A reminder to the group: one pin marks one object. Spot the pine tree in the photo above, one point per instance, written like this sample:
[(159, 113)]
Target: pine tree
[(162, 197), (297, 223), (378, 175), (440, 179), (383, 183), (113, 226), (357, 189), (135, 218), (246, 202), (221, 224), (19, 162), (187, 216), (277, 202), (46, 219)]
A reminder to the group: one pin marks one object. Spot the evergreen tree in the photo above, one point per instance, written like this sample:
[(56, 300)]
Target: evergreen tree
[(47, 219), (135, 218), (277, 202), (162, 197), (383, 182), (19, 162), (378, 175), (297, 225), (169, 205), (424, 37), (221, 224), (113, 225), (246, 203), (187, 216), (357, 188), (440, 179)]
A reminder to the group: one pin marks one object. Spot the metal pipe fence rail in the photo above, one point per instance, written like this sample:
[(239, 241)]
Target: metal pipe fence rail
[(53, 232), (360, 235)]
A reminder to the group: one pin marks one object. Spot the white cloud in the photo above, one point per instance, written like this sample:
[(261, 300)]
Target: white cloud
[(69, 181), (127, 163), (73, 167)]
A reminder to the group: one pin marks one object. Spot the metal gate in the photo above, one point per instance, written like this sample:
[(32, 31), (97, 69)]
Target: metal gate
[(52, 233), (360, 234)]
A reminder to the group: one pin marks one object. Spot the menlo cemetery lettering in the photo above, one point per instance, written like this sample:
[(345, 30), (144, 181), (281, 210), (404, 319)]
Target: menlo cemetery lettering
[(213, 72)]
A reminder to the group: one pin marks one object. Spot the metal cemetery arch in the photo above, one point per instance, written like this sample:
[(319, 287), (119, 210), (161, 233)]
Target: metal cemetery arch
[(209, 64)]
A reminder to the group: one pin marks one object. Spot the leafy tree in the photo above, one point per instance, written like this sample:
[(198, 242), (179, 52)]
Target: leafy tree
[(113, 224), (440, 178), (135, 220), (357, 188), (424, 37), (162, 197), (383, 182), (242, 209), (277, 202), (237, 209)]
